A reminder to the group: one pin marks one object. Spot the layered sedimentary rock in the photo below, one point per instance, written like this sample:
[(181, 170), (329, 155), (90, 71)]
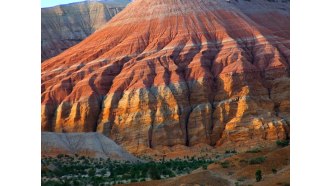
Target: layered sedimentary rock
[(176, 72), (66, 25), (88, 144)]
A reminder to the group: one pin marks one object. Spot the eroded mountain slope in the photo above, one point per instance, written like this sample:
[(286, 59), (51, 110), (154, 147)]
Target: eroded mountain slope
[(176, 72), (66, 25)]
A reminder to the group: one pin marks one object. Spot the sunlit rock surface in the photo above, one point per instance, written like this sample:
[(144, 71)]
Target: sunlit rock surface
[(176, 72)]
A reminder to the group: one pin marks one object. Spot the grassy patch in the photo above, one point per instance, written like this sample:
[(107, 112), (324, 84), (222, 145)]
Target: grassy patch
[(257, 160)]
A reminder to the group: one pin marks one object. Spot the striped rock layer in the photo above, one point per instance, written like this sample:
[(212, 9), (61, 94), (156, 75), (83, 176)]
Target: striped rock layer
[(66, 25), (176, 72), (90, 144)]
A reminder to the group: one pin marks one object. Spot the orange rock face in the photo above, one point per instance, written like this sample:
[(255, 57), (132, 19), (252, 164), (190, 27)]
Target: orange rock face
[(176, 72)]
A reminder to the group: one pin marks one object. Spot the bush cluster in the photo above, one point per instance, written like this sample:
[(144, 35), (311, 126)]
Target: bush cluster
[(257, 160), (80, 170)]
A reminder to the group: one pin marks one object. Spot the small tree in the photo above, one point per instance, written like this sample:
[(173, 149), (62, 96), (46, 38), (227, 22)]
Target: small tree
[(258, 175), (154, 173), (91, 172), (282, 143)]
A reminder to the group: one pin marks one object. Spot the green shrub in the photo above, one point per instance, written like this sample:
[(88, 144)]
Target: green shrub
[(230, 151), (120, 171), (91, 172), (256, 150), (241, 179), (225, 164), (257, 160), (60, 156), (274, 171), (154, 173), (282, 143), (51, 183), (143, 179), (103, 171), (204, 166), (171, 174), (243, 161), (258, 175)]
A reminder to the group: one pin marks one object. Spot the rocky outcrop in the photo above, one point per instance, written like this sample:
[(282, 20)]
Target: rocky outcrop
[(88, 144), (176, 72), (66, 25)]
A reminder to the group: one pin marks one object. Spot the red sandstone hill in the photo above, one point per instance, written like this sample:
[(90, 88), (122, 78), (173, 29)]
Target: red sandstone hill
[(176, 72)]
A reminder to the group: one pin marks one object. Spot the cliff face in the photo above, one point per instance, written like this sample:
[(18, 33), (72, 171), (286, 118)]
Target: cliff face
[(66, 25), (176, 72)]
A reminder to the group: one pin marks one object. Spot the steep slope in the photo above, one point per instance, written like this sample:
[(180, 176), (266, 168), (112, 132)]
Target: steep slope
[(66, 25), (88, 144), (176, 72)]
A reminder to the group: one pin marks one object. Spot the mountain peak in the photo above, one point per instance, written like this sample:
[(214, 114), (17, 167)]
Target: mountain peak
[(176, 72)]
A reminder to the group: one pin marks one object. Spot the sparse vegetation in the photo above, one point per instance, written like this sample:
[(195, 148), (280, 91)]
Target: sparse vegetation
[(274, 171), (258, 175), (154, 173), (241, 179), (225, 164), (204, 166), (243, 161), (256, 150), (230, 151), (257, 160), (80, 170), (282, 143)]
